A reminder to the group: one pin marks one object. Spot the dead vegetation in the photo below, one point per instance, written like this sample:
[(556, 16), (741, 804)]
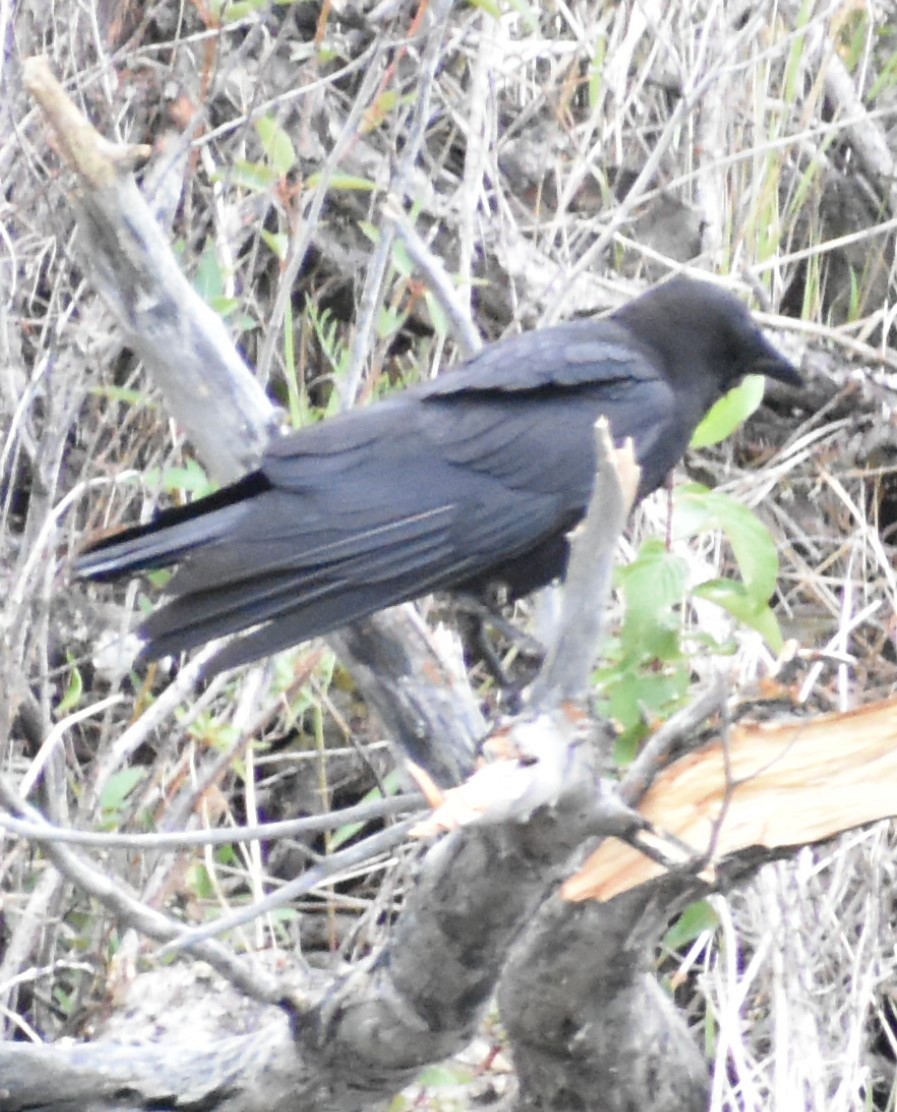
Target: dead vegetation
[(551, 159)]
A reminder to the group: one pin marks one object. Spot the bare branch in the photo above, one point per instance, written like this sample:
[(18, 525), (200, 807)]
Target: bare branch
[(565, 673), (438, 279), (180, 339)]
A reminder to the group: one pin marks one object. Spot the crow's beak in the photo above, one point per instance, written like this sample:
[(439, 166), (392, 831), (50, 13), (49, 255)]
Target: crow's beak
[(773, 364)]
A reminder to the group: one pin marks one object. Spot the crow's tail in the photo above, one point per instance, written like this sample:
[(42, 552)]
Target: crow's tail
[(170, 535)]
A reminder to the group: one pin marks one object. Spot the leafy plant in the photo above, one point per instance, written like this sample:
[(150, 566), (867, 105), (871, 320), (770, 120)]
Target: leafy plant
[(647, 665), (646, 672), (699, 510), (116, 792)]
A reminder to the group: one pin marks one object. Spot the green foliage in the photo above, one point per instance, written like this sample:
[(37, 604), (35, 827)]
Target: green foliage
[(277, 145), (596, 71), (123, 394), (646, 672), (231, 11), (729, 412), (733, 597), (699, 510), (647, 669), (209, 277), (198, 882), (116, 791), (207, 729), (346, 183), (73, 692), (335, 349), (188, 479), (211, 283), (257, 177), (446, 1075), (159, 580), (795, 66), (277, 242), (653, 585), (261, 177), (529, 14), (694, 921), (381, 109), (327, 332), (441, 1087), (887, 76), (490, 7)]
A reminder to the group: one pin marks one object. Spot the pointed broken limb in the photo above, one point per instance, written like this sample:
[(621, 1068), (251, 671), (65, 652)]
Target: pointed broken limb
[(540, 755), (564, 677)]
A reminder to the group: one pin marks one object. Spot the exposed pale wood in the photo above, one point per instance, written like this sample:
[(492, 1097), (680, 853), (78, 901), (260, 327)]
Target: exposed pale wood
[(769, 784)]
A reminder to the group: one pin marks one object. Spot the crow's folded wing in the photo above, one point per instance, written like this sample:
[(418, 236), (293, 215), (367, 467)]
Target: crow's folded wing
[(412, 496)]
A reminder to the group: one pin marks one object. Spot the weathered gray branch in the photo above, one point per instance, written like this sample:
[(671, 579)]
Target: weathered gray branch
[(181, 340), (575, 647), (591, 1027)]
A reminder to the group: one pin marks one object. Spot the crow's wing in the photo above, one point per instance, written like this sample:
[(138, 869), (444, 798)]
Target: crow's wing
[(580, 353), (423, 491)]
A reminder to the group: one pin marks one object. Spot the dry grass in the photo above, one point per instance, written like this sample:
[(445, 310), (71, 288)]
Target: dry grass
[(570, 153)]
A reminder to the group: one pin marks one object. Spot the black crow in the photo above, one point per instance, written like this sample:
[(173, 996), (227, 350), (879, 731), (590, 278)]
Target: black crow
[(472, 478)]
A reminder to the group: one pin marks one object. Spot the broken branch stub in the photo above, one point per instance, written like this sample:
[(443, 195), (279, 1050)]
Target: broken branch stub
[(182, 340), (593, 544)]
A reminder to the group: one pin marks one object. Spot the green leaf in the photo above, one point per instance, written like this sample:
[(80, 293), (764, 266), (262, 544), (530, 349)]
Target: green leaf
[(596, 71), (231, 11), (278, 243), (697, 918), (242, 322), (224, 306), (729, 412), (284, 914), (378, 112), (401, 259), (251, 175), (653, 584), (209, 279), (342, 834), (528, 12), (189, 479), (118, 788), (277, 145), (445, 1076), (636, 696), (349, 183), (124, 395), (698, 510), (73, 693), (490, 7), (735, 599), (437, 314), (198, 882), (389, 321), (646, 673), (158, 579)]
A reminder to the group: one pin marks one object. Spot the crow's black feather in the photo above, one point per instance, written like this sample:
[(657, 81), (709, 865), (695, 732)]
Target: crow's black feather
[(472, 478)]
